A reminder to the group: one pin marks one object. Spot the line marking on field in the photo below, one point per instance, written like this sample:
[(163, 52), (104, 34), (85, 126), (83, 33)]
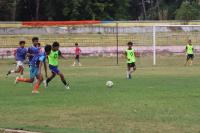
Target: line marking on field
[(15, 131)]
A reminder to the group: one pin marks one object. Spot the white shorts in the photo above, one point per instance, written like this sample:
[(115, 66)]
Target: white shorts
[(20, 63)]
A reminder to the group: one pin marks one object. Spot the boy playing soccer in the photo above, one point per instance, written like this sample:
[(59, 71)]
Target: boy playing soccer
[(53, 56), (130, 57), (36, 69), (77, 53), (20, 56), (31, 49), (190, 54)]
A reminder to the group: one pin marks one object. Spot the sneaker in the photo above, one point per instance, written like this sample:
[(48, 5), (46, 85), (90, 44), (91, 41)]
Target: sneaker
[(9, 72), (35, 92), (16, 80), (45, 83), (67, 87)]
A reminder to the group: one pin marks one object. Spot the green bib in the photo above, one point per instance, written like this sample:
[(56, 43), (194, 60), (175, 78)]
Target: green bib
[(130, 56), (189, 49), (53, 58)]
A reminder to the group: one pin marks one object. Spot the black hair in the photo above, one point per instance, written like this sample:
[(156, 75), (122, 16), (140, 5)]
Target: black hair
[(20, 42), (129, 43), (76, 44), (35, 38), (47, 48), (55, 44)]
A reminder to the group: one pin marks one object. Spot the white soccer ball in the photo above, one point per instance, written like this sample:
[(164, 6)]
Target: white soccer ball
[(109, 84)]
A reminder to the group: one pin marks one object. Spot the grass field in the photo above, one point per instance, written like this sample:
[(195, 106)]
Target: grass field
[(160, 99)]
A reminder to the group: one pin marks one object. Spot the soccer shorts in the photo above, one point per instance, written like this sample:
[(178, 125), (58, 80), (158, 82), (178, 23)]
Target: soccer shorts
[(131, 65), (190, 56), (33, 72), (54, 69), (19, 64)]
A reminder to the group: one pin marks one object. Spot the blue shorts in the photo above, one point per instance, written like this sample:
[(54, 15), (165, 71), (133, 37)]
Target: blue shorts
[(54, 69), (33, 72)]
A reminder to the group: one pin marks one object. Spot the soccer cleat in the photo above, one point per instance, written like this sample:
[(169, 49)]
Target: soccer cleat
[(35, 92), (67, 87), (9, 72), (45, 84), (16, 80)]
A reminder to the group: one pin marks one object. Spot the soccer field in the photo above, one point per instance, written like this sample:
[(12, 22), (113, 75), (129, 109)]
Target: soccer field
[(165, 98)]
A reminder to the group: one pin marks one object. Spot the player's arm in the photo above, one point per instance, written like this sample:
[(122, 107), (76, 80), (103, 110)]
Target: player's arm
[(45, 69), (40, 68), (61, 55)]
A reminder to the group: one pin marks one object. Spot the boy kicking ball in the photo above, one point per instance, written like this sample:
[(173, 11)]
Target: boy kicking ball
[(130, 57), (36, 70), (20, 56), (53, 56)]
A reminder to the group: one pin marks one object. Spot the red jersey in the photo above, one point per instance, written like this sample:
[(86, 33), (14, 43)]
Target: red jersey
[(77, 50)]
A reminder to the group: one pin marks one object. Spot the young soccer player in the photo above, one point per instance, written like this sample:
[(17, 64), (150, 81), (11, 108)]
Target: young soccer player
[(31, 49), (190, 53), (77, 55), (36, 69), (130, 57), (53, 65), (20, 56)]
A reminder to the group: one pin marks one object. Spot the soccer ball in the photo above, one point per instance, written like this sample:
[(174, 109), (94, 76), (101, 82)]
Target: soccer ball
[(109, 84)]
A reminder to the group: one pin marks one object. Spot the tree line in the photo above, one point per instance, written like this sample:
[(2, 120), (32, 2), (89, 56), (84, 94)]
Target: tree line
[(31, 10)]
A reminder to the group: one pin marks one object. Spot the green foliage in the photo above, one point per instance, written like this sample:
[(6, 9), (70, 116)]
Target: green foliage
[(188, 11), (20, 10)]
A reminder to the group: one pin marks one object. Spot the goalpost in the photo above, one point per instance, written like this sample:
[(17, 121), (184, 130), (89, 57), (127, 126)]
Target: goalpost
[(187, 32)]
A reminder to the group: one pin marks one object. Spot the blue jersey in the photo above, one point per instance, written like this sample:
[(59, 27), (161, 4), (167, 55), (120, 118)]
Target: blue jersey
[(33, 50), (37, 58), (21, 54)]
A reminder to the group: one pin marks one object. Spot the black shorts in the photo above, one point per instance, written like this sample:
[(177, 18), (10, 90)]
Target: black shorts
[(77, 57), (190, 56), (131, 65)]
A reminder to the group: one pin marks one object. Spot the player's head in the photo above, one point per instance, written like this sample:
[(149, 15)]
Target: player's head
[(55, 46), (189, 41), (76, 44), (22, 43), (47, 49), (130, 44), (38, 44), (35, 41)]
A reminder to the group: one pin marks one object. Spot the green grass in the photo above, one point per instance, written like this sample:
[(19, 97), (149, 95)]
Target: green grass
[(164, 98)]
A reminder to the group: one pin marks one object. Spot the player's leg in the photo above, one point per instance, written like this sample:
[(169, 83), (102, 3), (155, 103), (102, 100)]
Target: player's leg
[(132, 69), (46, 82), (75, 60), (33, 73), (128, 70), (64, 80), (191, 59), (187, 60), (19, 69), (78, 60), (37, 85)]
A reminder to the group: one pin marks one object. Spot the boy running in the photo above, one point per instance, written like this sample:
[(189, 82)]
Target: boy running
[(20, 56), (77, 53), (31, 49), (130, 56), (53, 56), (190, 54), (36, 69)]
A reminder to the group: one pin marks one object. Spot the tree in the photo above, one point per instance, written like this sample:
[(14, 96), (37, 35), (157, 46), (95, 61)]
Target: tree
[(188, 11)]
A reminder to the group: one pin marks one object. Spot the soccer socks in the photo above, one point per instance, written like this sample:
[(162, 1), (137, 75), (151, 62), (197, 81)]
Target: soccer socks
[(37, 85), (64, 82)]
